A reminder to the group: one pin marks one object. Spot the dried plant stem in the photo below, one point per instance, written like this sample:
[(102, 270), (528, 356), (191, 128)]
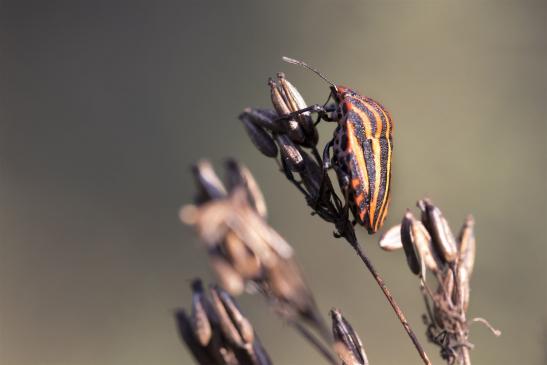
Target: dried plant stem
[(350, 237), (465, 355), (323, 350)]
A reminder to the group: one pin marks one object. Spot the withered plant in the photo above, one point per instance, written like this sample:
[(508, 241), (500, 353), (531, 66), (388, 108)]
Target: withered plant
[(245, 252), (289, 136), (216, 332), (430, 247), (249, 255)]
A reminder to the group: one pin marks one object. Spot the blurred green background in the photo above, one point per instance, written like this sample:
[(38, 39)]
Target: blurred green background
[(104, 105)]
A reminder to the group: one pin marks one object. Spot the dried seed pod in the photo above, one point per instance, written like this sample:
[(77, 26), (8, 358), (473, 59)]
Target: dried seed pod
[(446, 285), (424, 247), (290, 153), (232, 340), (311, 176), (258, 135), (348, 345), (265, 118), (243, 260), (282, 106), (186, 332), (391, 239), (296, 102), (234, 326), (412, 257), (199, 318), (209, 185), (209, 219), (463, 278), (228, 277), (278, 101), (239, 175), (288, 286), (467, 244), (436, 224), (261, 239)]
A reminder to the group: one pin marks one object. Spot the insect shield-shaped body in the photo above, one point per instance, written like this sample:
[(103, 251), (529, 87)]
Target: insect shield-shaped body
[(362, 152), (362, 146)]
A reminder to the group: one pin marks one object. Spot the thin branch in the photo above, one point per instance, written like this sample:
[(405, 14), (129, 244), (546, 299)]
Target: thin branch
[(350, 237), (345, 229)]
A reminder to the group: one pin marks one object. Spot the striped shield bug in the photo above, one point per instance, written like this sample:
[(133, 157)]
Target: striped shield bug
[(362, 147)]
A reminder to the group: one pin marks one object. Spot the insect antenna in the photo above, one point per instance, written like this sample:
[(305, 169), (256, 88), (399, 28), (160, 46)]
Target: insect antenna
[(305, 65)]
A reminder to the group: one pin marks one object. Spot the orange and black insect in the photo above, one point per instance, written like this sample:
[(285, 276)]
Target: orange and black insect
[(363, 151)]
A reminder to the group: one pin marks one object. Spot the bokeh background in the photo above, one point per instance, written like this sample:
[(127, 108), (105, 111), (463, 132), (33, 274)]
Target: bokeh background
[(105, 104)]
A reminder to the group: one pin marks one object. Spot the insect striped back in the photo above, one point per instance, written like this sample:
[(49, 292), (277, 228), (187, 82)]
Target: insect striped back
[(363, 147), (369, 127)]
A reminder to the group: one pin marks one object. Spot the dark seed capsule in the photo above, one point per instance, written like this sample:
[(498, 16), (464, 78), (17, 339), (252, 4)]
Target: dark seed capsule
[(260, 138), (199, 317), (412, 258), (186, 332), (236, 328), (424, 247), (209, 185), (290, 153), (436, 224), (265, 118), (312, 175), (348, 345), (239, 175)]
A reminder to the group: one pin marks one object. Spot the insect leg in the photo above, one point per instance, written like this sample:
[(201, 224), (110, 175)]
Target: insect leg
[(326, 164), (344, 212), (344, 184), (326, 156), (321, 110)]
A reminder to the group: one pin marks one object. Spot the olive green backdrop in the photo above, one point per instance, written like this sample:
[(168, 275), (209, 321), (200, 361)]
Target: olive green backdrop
[(104, 105)]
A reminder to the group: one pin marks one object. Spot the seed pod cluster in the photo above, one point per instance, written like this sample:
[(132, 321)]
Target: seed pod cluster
[(430, 246), (244, 251), (216, 332), (288, 135)]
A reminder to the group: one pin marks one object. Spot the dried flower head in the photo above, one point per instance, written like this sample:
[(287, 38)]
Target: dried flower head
[(217, 333), (430, 246), (244, 250)]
